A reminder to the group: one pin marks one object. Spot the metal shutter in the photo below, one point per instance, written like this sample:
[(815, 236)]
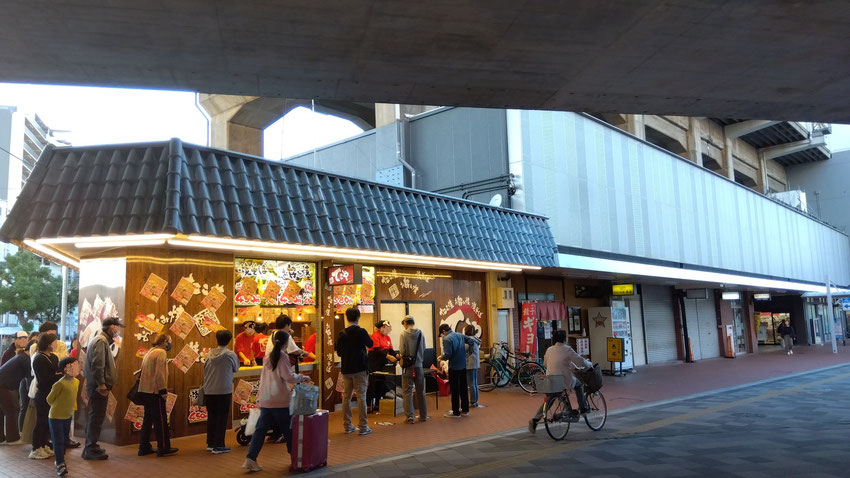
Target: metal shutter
[(709, 345), (693, 316), (658, 324)]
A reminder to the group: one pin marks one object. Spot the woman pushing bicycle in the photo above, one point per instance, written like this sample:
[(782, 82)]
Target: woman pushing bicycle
[(559, 360)]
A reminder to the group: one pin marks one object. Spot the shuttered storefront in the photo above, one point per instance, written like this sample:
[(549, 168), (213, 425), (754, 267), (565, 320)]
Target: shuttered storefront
[(658, 324), (702, 327)]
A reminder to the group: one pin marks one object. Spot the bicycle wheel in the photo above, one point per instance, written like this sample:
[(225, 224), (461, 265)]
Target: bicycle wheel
[(556, 417), (498, 374), (526, 374), (485, 379), (598, 413)]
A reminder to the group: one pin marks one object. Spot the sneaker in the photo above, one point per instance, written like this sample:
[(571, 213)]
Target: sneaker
[(790, 352), (410, 420), (450, 414), (209, 448), (478, 405), (424, 419), (47, 451), (39, 454), (220, 449), (61, 469), (464, 414), (585, 410), (350, 430), (74, 444), (95, 456), (146, 451), (532, 426), (170, 451), (251, 465), (365, 431)]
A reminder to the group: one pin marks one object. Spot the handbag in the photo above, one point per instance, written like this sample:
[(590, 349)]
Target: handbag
[(251, 423), (133, 394), (408, 361), (199, 400)]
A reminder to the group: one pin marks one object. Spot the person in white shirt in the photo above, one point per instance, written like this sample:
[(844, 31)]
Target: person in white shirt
[(284, 323), (560, 359)]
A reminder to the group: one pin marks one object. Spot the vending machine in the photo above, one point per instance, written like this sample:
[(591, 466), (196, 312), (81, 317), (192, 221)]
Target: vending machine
[(604, 322)]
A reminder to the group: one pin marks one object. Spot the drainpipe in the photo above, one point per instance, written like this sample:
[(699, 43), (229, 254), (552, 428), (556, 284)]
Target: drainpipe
[(399, 150)]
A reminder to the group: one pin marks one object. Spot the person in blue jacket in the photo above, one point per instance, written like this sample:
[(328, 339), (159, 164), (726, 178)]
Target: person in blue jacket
[(454, 351)]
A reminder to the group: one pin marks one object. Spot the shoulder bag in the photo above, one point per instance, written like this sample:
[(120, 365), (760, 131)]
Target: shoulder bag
[(408, 361)]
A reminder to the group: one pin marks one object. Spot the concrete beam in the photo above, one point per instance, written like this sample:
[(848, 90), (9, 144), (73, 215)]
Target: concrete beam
[(744, 128), (777, 151)]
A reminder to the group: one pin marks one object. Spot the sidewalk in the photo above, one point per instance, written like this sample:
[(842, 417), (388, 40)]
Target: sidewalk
[(507, 409)]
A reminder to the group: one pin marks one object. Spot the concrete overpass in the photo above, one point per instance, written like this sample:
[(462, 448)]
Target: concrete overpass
[(727, 59)]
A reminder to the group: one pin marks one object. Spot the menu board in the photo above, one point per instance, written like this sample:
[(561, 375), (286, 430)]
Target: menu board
[(275, 283), (361, 295)]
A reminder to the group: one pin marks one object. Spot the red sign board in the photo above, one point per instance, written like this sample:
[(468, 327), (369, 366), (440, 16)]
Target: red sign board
[(341, 275), (528, 329)]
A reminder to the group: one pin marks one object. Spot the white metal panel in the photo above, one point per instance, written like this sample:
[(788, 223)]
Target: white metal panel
[(658, 323), (708, 331), (692, 316), (638, 343)]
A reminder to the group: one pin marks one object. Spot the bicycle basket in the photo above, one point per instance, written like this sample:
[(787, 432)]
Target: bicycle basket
[(591, 378), (550, 383)]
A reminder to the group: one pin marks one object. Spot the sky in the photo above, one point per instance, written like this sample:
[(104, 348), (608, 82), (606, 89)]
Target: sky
[(92, 115), (88, 115)]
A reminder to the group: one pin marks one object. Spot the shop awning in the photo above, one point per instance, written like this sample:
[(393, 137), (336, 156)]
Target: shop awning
[(176, 188), (551, 311)]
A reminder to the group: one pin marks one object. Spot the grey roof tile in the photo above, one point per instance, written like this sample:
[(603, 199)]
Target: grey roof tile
[(172, 187)]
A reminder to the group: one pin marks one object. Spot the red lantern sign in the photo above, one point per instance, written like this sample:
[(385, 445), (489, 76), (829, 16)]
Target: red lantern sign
[(528, 329)]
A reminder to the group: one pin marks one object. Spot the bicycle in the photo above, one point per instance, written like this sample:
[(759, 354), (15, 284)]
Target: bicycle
[(558, 413), (505, 367)]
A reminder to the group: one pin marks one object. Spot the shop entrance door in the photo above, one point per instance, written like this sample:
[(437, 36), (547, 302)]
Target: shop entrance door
[(422, 313), (740, 328), (502, 321)]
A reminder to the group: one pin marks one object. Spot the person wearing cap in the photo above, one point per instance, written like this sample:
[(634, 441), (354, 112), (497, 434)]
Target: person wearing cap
[(412, 344), (454, 351), (380, 355), (21, 339), (243, 346), (153, 388), (12, 373), (100, 376)]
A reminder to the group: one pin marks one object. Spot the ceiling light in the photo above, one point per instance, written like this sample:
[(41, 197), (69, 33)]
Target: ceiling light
[(119, 243)]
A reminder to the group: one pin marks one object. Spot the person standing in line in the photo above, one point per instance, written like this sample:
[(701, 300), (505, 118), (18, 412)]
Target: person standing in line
[(76, 348), (412, 344), (12, 373), (45, 367), (273, 399), (454, 351), (23, 393), (153, 388), (63, 402), (51, 328), (21, 340), (473, 363), (261, 341), (14, 348), (284, 322), (786, 330), (244, 344), (99, 371), (560, 359), (218, 390), (351, 345)]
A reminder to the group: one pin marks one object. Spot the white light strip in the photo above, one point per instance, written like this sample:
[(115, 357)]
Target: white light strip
[(99, 239), (101, 244), (572, 261), (248, 246), (53, 253), (361, 253)]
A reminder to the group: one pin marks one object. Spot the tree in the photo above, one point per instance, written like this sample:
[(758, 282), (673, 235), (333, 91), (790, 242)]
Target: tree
[(28, 290)]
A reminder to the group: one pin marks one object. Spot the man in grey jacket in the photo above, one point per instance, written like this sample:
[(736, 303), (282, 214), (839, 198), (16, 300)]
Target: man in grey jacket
[(100, 378), (219, 367), (413, 345)]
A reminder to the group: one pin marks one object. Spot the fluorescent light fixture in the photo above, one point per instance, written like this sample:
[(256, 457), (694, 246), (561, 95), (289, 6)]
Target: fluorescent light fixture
[(50, 252), (240, 245), (107, 239), (101, 244), (730, 295), (761, 296), (596, 264)]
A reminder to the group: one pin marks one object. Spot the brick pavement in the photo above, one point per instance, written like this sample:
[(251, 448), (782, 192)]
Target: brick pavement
[(508, 409)]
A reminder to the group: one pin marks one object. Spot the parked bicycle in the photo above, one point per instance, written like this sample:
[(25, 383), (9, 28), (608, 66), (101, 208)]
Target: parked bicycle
[(504, 367), (558, 413)]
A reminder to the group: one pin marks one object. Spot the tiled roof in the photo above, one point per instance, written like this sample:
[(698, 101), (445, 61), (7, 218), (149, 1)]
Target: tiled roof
[(179, 188)]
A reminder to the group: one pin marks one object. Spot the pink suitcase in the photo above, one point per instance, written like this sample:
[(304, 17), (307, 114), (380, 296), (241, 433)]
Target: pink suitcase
[(309, 441)]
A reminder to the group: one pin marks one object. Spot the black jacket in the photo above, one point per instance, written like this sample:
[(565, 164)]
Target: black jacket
[(46, 369), (351, 345), (784, 330), (13, 371)]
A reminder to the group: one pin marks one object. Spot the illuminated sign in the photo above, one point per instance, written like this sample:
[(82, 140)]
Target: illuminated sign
[(623, 289), (761, 296), (344, 275), (731, 296), (274, 283)]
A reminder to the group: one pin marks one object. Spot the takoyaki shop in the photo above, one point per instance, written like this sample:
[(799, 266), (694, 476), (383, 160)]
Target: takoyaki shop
[(186, 240)]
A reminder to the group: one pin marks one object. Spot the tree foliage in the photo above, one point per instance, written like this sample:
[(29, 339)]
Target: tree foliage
[(28, 290)]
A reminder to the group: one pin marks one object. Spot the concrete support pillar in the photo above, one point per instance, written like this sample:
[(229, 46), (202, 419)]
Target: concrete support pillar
[(762, 185), (387, 113), (227, 135), (635, 125), (728, 158), (695, 140)]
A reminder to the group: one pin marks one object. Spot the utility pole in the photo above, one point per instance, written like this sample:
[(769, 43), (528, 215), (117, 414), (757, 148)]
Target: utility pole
[(63, 311), (829, 307)]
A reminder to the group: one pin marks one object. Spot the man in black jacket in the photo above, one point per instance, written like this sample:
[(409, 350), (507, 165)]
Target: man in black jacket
[(12, 372), (351, 347)]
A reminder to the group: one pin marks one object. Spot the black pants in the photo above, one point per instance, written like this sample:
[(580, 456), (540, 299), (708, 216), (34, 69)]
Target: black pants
[(41, 432), (218, 412), (156, 418), (94, 424), (458, 387), (9, 415), (23, 394), (375, 391)]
